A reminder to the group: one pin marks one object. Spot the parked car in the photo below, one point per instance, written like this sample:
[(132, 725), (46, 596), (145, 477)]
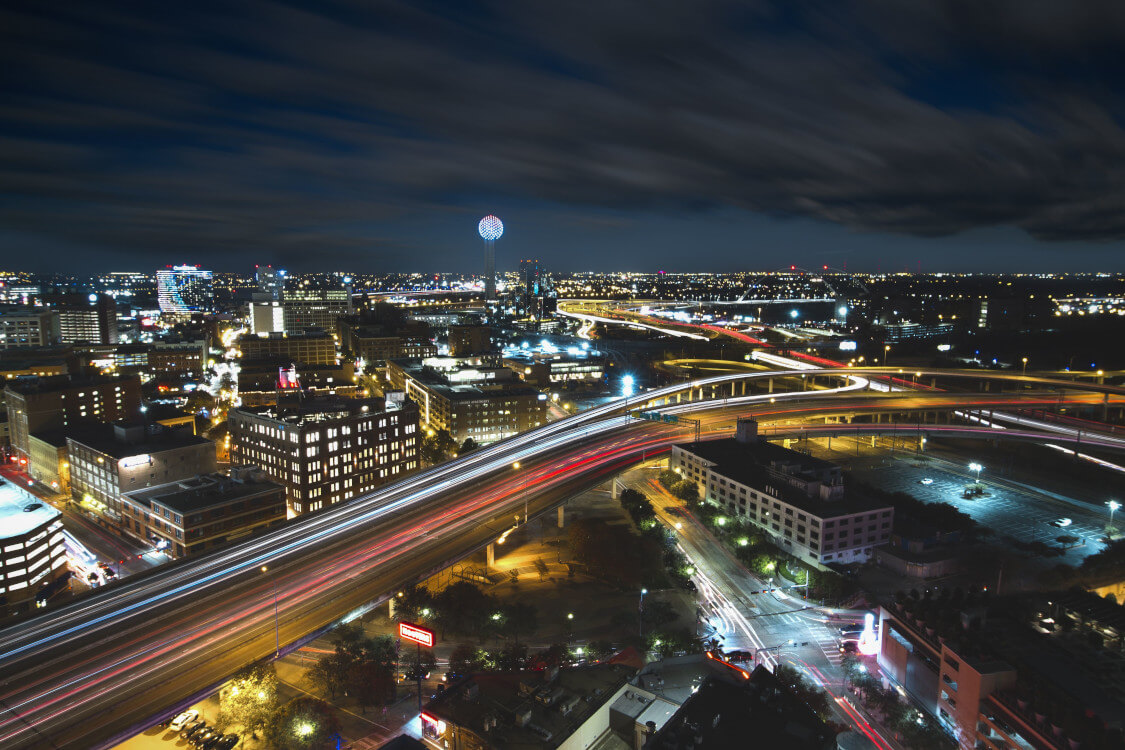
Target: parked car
[(183, 719), (226, 742), (204, 737), (1061, 523), (191, 730)]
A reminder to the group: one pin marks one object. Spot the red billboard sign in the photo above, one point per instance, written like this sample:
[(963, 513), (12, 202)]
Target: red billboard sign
[(416, 633)]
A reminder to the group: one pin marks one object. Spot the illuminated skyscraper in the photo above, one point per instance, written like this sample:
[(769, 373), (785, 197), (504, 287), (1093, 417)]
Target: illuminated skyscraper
[(271, 282), (185, 289)]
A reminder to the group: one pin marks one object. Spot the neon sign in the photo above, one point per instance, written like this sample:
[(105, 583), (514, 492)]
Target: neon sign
[(416, 633)]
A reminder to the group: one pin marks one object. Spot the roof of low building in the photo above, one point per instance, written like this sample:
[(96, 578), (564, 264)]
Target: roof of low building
[(20, 512)]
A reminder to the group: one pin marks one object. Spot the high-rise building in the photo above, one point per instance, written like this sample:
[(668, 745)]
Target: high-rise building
[(90, 319), (58, 403), (325, 450), (312, 347), (271, 282), (28, 326), (185, 289)]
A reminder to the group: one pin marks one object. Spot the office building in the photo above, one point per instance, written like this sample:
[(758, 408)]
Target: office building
[(325, 450), (373, 342), (310, 347), (271, 282), (32, 542), (185, 289), (262, 383), (201, 512), (798, 500), (185, 360), (28, 327), (465, 341), (107, 461), (85, 318), (48, 462), (468, 397), (266, 318), (995, 680), (58, 403)]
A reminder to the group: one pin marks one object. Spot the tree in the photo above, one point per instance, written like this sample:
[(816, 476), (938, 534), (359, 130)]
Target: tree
[(468, 446), (330, 674), (465, 659), (250, 698), (303, 724), (686, 491), (437, 446), (463, 608), (412, 602), (519, 618)]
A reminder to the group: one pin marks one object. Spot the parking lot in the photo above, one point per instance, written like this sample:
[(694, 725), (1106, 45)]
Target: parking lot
[(1009, 509)]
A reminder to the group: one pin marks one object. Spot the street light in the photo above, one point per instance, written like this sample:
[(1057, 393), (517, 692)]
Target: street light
[(1113, 505), (276, 626), (887, 355), (974, 466), (1024, 366), (640, 614)]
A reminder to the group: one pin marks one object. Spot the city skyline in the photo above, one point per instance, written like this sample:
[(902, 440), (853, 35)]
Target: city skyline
[(936, 138)]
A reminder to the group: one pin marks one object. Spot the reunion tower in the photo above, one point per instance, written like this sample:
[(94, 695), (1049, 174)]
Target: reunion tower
[(490, 229)]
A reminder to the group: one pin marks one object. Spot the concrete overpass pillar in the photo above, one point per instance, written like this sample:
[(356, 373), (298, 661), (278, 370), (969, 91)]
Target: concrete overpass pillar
[(490, 555), (615, 489), (769, 382), (561, 517)]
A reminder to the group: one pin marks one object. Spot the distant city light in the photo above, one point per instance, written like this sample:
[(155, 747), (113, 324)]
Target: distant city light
[(628, 384), (793, 313)]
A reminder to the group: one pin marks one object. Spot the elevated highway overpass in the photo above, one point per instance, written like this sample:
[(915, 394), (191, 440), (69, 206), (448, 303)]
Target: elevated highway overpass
[(102, 667)]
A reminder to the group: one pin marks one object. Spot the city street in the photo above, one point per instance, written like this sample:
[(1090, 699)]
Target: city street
[(782, 627)]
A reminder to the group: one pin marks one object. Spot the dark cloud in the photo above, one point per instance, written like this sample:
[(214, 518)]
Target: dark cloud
[(212, 128)]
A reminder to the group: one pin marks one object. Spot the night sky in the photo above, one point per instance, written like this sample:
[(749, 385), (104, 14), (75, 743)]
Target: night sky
[(609, 135)]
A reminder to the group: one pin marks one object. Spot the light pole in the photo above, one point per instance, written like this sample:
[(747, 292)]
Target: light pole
[(523, 491), (886, 355), (1024, 366), (641, 614), (276, 626), (1113, 505), (974, 466)]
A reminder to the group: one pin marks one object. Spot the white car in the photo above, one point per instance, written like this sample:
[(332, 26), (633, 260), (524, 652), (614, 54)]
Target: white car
[(1061, 523), (183, 719), (926, 480)]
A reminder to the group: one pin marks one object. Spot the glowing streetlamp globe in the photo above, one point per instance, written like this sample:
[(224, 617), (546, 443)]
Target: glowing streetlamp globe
[(490, 228)]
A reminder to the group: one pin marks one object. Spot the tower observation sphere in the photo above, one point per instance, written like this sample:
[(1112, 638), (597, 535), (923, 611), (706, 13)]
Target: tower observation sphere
[(490, 228)]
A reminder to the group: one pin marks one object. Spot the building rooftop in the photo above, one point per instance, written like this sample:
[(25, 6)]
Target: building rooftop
[(530, 709), (720, 716), (311, 410), (758, 463), (122, 440), (57, 383), (21, 512), (204, 490)]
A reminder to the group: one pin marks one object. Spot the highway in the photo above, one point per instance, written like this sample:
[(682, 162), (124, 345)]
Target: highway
[(91, 672)]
